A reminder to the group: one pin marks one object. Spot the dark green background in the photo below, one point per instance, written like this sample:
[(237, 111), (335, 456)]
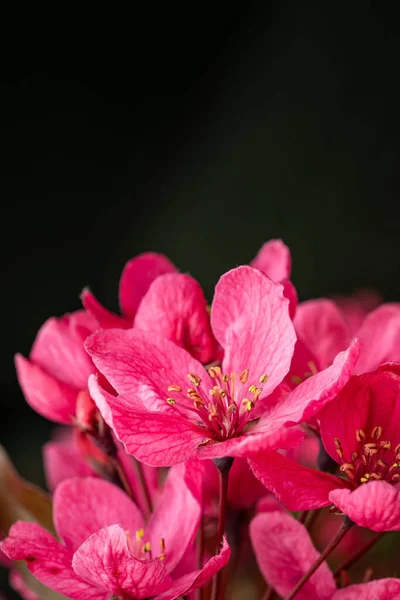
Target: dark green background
[(200, 132)]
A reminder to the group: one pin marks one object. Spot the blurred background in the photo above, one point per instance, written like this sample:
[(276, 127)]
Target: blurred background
[(200, 132)]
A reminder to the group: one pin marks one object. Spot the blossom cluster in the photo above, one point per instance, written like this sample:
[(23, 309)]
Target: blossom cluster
[(207, 450)]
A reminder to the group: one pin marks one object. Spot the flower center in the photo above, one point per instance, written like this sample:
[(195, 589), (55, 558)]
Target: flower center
[(225, 407), (141, 549), (374, 459)]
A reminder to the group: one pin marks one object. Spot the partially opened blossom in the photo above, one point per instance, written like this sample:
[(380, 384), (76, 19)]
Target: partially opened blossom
[(285, 552), (323, 331), (169, 407), (107, 547), (57, 371), (360, 430)]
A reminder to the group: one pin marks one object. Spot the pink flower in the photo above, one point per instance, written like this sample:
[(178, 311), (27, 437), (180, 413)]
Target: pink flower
[(58, 367), (136, 278), (284, 552), (106, 546), (169, 407), (360, 430), (156, 299), (323, 331)]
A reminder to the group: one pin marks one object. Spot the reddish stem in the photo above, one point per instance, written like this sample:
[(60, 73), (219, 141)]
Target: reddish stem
[(357, 555), (269, 593), (303, 516), (224, 466), (143, 484), (119, 469), (346, 525)]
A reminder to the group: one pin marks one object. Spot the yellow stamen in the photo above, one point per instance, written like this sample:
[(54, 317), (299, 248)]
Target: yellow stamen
[(360, 435), (147, 547), (312, 366), (296, 379), (366, 478), (263, 378), (193, 378), (376, 476), (171, 401), (139, 535), (244, 376), (248, 404), (381, 463), (174, 388), (386, 445), (252, 389), (225, 378), (376, 432), (211, 372)]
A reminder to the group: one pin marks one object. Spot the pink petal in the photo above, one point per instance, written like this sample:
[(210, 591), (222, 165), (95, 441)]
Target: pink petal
[(273, 259), (134, 364), (289, 291), (297, 487), (382, 589), (192, 581), (136, 278), (285, 552), (321, 327), (49, 561), (269, 504), (250, 320), (104, 317), (253, 443), (48, 396), (380, 337), (175, 308), (63, 461), (375, 505), (106, 561), (182, 495), (59, 349), (313, 394), (244, 489), (83, 506), (156, 439), (18, 584), (367, 401)]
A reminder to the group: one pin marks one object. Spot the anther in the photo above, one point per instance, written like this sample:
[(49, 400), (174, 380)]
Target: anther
[(248, 404), (193, 378), (139, 535), (312, 366), (376, 476), (212, 373), (263, 378), (252, 389), (171, 401), (395, 477), (381, 463), (296, 379), (198, 404), (376, 432), (370, 449), (397, 448), (348, 469), (147, 547), (393, 467), (225, 378), (366, 478), (386, 445), (360, 435), (232, 408), (244, 376), (174, 388)]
